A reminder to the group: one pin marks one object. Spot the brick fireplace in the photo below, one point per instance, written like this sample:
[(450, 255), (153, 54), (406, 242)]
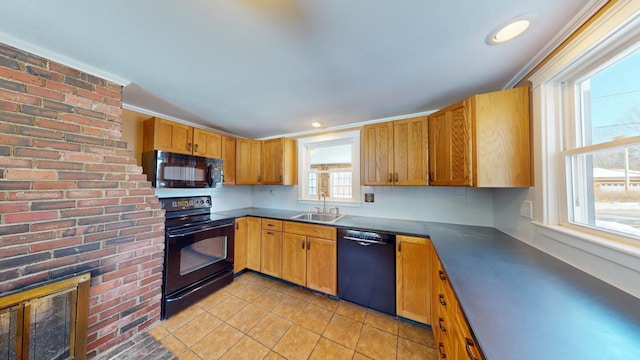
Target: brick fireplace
[(72, 198)]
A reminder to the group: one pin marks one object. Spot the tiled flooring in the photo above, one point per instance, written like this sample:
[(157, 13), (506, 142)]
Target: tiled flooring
[(256, 317)]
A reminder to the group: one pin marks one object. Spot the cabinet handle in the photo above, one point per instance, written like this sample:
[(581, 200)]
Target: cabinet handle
[(468, 343), (443, 355), (441, 275), (441, 325), (390, 177), (302, 244), (396, 177), (190, 146), (280, 178), (237, 226), (259, 179), (430, 176), (196, 147), (270, 233), (441, 299), (399, 245), (271, 225), (308, 244)]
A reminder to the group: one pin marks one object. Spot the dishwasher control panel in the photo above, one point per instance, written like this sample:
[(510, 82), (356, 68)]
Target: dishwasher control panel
[(366, 235)]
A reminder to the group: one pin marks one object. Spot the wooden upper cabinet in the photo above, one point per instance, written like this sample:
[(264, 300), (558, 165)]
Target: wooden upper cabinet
[(395, 153), (229, 160), (483, 141), (450, 147), (377, 153), (248, 162), (161, 134), (207, 144), (279, 162), (410, 151)]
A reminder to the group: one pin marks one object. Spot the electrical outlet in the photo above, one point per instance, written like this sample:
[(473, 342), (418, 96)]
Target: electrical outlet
[(526, 209)]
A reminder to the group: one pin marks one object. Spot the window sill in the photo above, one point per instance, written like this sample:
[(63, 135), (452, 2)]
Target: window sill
[(629, 247)]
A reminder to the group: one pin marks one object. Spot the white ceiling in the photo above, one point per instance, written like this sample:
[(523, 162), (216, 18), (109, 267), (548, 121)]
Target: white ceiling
[(259, 68)]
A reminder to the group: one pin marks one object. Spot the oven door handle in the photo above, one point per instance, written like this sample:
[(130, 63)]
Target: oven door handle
[(368, 242), (180, 234)]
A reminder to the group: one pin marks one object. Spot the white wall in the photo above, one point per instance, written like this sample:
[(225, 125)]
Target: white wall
[(438, 204), (615, 267)]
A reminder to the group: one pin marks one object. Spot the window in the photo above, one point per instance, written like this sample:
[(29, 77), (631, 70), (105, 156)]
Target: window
[(601, 146), (329, 166)]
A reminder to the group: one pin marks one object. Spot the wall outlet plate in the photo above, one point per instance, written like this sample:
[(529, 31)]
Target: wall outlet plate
[(368, 197), (526, 209)]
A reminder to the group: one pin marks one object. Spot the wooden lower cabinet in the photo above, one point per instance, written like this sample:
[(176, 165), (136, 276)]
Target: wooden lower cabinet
[(294, 254), (309, 256), (271, 248), (453, 337), (240, 245), (413, 285), (254, 242)]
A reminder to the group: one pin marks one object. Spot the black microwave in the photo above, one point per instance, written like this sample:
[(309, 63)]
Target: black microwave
[(170, 170)]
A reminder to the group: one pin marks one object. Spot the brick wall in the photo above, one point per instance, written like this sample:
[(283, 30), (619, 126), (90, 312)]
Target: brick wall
[(72, 199)]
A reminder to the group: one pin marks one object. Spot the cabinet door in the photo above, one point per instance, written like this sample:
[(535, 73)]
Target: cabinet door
[(229, 160), (271, 254), (322, 265), (377, 152), (294, 258), (240, 245), (413, 281), (161, 134), (410, 151), (207, 144), (254, 235), (248, 162), (272, 161), (450, 147)]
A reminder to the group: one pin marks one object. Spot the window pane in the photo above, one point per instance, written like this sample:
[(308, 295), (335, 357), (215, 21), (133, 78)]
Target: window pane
[(605, 189), (611, 101), (313, 184), (341, 184)]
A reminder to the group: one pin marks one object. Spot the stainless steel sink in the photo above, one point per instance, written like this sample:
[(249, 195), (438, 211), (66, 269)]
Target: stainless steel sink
[(321, 218)]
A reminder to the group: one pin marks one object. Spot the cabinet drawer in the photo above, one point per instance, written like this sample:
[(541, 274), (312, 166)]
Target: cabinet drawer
[(270, 224), (318, 231)]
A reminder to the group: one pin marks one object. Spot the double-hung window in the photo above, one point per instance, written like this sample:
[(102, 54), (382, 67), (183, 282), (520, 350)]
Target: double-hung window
[(601, 143), (329, 167)]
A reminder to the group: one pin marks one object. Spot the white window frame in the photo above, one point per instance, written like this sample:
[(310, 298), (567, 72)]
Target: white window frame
[(614, 35), (351, 137)]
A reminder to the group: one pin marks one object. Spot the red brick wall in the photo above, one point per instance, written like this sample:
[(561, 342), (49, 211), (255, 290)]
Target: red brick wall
[(72, 199)]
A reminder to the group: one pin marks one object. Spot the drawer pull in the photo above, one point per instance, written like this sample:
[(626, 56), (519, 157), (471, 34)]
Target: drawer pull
[(270, 233), (441, 325), (441, 275), (441, 299), (468, 343), (271, 225), (443, 355)]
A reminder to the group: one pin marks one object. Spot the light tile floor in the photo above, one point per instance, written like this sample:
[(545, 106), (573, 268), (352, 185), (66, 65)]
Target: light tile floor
[(256, 317)]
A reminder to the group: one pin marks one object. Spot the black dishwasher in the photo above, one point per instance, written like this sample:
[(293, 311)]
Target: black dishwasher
[(367, 269)]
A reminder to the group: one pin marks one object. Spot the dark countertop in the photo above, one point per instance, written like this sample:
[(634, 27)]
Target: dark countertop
[(521, 303), (402, 227)]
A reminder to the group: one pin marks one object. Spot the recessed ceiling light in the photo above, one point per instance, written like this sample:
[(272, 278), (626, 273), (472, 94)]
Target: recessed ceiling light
[(316, 124), (508, 31)]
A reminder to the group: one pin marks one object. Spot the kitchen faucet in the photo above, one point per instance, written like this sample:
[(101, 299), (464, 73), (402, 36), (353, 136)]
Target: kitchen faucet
[(324, 203)]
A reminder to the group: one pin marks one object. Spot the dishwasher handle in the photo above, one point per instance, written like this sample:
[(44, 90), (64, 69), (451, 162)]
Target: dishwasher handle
[(365, 241)]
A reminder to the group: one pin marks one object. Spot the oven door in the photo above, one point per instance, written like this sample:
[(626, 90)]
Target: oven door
[(197, 253)]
